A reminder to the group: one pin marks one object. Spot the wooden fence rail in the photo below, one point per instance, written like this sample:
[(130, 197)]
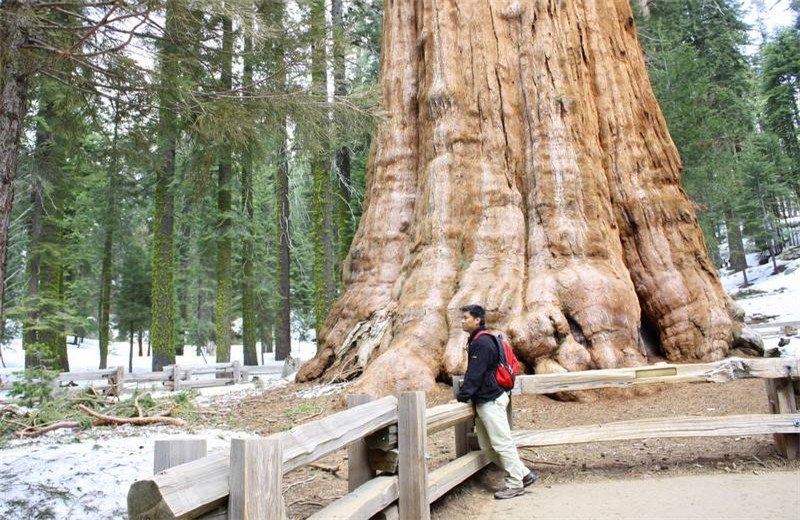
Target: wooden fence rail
[(391, 435), (175, 377)]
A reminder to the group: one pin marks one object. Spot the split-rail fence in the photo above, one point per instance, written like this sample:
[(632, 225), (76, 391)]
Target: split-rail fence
[(388, 435)]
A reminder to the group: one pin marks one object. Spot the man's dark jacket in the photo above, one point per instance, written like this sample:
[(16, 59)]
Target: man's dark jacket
[(480, 383)]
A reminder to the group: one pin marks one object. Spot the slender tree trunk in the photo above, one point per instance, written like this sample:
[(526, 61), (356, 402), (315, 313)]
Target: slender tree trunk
[(736, 254), (322, 196), (283, 321), (267, 323), (130, 349), (342, 158), (43, 336), (13, 96), (524, 165), (105, 297), (249, 325), (108, 251), (224, 244), (141, 353), (162, 328)]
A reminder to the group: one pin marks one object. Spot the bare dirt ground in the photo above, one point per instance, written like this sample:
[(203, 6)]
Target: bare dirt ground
[(310, 488), (774, 495)]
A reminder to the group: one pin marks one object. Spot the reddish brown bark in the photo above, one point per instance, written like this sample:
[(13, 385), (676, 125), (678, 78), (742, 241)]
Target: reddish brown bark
[(524, 164)]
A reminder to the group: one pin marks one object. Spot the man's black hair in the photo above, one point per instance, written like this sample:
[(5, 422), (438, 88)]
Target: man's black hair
[(476, 311)]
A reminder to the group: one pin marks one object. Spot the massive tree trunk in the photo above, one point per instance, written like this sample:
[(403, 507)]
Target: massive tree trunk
[(523, 164)]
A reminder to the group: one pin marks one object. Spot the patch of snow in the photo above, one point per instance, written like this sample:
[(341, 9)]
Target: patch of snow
[(84, 475), (775, 295), (321, 390)]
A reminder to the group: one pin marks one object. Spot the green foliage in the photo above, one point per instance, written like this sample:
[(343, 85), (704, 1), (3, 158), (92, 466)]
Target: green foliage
[(707, 89), (304, 409), (34, 386)]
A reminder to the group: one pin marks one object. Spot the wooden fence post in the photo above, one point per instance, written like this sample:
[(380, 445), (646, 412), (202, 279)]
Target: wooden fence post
[(174, 452), (176, 376), (462, 429), (116, 382), (358, 468), (237, 372), (411, 433), (255, 480), (782, 399)]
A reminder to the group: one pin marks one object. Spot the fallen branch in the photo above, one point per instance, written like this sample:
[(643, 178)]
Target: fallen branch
[(330, 468), (13, 410), (35, 431), (539, 461), (136, 405), (298, 483), (110, 419)]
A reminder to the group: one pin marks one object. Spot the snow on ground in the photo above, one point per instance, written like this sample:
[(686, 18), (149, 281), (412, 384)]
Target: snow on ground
[(68, 474), (772, 296), (86, 474)]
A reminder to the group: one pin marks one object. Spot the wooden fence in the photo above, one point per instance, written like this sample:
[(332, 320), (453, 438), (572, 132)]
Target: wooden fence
[(173, 377), (389, 435)]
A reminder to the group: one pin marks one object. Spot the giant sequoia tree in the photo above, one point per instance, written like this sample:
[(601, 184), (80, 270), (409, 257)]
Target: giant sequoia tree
[(523, 164)]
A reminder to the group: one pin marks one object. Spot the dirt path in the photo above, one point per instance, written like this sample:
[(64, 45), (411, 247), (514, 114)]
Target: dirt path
[(774, 495)]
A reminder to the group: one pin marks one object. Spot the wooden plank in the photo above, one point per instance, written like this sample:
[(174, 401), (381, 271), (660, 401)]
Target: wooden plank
[(198, 487), (358, 467), (206, 383), (718, 372), (383, 439), (462, 429), (379, 493), (730, 425), (411, 434), (182, 492), (266, 370), (146, 377), (444, 416), (782, 401), (384, 461), (363, 503), (168, 453), (454, 473), (255, 481), (92, 375)]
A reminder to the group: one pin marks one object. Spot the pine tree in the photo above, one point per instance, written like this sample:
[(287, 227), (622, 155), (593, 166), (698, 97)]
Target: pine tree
[(224, 244), (249, 325), (322, 196), (162, 293)]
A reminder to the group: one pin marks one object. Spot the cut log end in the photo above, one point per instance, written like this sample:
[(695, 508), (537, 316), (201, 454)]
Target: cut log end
[(145, 502)]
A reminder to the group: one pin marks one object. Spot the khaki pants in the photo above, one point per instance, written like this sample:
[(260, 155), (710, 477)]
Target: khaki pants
[(494, 437)]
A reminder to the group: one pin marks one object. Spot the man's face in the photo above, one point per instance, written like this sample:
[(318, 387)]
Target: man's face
[(469, 322)]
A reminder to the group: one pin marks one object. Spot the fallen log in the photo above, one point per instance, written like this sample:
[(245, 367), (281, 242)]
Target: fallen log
[(110, 419)]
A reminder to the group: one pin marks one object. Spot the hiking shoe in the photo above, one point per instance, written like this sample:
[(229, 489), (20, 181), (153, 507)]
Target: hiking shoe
[(530, 478), (508, 492)]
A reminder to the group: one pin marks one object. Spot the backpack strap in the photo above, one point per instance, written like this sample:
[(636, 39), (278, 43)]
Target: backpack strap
[(501, 355)]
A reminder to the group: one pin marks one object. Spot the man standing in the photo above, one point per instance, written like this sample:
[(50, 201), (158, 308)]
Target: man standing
[(490, 401)]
